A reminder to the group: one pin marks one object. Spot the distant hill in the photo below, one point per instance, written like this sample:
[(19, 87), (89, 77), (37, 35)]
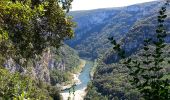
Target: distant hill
[(133, 40), (95, 26), (111, 80)]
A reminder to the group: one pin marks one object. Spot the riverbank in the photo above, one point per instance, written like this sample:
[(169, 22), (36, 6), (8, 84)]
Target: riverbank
[(80, 89), (78, 95), (75, 75), (93, 70)]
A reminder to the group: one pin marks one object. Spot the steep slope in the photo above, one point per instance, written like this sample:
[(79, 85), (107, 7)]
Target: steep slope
[(94, 27), (142, 29), (112, 81), (111, 78), (41, 74), (63, 64), (65, 60)]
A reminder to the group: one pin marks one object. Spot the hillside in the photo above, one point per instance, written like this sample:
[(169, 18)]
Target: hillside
[(94, 27), (43, 56), (142, 29), (63, 60), (29, 32), (111, 80), (63, 64)]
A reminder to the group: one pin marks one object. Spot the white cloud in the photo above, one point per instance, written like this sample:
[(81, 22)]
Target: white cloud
[(94, 4)]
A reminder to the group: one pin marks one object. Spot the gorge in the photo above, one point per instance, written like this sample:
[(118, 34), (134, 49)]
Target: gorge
[(50, 53)]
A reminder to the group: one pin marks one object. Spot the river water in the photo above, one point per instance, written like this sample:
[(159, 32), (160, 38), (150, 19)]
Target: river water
[(84, 78)]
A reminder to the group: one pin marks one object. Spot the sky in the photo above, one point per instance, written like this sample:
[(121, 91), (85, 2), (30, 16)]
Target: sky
[(95, 4)]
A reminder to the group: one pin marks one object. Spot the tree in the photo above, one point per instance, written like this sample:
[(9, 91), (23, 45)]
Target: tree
[(15, 87), (27, 27), (147, 75)]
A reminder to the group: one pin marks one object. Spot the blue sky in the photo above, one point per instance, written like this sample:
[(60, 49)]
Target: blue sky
[(94, 4)]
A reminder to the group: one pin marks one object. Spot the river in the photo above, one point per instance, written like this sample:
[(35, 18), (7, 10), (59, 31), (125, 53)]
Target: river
[(84, 78)]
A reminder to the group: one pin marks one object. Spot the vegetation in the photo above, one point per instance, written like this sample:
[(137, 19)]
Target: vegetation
[(27, 27), (66, 63), (95, 26), (111, 79), (147, 74), (18, 87), (69, 56), (93, 70), (59, 77)]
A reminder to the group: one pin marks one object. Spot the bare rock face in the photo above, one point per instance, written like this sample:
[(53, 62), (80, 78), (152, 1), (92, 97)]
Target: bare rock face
[(13, 67), (41, 69), (38, 70), (57, 65)]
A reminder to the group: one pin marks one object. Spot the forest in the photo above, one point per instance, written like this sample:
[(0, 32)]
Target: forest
[(49, 52)]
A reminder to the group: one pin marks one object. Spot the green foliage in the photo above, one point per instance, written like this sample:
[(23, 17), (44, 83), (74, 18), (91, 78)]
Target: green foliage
[(14, 86), (28, 27), (93, 70), (67, 62), (57, 76), (54, 92), (95, 26), (69, 56), (93, 94), (147, 75), (17, 87)]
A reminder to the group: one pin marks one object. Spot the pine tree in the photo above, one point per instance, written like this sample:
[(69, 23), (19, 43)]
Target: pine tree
[(147, 75)]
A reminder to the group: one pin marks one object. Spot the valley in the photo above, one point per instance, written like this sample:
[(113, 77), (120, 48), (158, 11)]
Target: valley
[(49, 52), (129, 26), (94, 27)]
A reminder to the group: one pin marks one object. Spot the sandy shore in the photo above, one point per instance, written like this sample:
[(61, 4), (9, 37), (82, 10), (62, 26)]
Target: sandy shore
[(79, 94), (75, 81), (75, 77)]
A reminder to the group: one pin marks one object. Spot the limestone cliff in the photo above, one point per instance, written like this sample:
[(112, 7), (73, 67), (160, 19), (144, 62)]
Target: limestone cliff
[(39, 69)]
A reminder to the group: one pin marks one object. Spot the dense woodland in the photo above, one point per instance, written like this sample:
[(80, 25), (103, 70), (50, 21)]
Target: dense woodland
[(42, 44), (28, 28), (128, 75)]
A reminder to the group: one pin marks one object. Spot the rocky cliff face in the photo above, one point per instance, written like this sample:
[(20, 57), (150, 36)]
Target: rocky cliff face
[(40, 69)]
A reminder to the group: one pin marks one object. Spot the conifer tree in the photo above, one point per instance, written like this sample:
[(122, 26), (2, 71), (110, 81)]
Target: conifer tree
[(147, 75)]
